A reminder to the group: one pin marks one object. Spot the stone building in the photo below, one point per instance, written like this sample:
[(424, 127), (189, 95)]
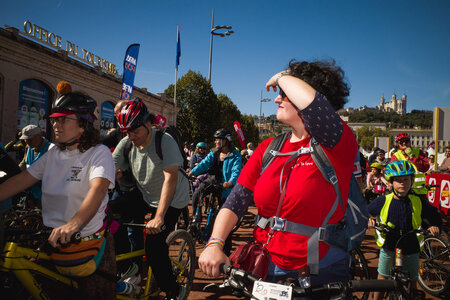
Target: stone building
[(30, 69), (394, 105)]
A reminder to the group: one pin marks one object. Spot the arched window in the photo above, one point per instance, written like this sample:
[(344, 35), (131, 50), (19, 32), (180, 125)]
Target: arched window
[(34, 104)]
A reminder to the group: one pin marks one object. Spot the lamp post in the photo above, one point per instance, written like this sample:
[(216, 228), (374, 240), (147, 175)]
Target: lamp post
[(260, 110), (213, 33)]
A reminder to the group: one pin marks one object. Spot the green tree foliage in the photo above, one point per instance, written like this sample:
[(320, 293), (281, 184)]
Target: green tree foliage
[(198, 117), (202, 112), (367, 134), (419, 118)]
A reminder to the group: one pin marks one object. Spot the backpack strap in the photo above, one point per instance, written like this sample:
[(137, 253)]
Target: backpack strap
[(275, 145), (126, 151), (324, 165), (158, 139)]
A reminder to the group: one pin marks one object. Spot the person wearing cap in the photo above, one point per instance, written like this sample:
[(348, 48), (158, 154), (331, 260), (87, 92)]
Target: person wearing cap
[(36, 146), (417, 157), (76, 175)]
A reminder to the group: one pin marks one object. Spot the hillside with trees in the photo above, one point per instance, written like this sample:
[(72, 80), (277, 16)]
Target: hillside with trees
[(415, 119)]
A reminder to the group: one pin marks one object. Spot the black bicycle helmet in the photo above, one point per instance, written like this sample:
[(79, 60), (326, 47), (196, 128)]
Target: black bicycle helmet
[(133, 115), (73, 103), (223, 134)]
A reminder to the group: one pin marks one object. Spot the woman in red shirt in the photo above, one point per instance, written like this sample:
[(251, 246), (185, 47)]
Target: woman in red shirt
[(310, 94)]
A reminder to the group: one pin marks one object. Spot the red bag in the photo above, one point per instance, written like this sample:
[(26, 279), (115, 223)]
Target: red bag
[(253, 258)]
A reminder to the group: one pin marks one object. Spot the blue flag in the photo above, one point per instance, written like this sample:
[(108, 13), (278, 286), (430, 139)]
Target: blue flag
[(129, 70), (177, 62)]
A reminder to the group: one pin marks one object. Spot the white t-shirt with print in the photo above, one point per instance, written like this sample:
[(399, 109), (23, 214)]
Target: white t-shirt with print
[(65, 179)]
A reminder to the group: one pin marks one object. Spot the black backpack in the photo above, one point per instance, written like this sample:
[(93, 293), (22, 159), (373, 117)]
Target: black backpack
[(173, 132)]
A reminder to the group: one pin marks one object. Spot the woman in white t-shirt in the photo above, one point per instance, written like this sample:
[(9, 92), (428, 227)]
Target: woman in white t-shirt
[(76, 175)]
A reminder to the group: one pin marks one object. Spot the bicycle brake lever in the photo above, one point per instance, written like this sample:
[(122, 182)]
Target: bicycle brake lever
[(213, 284)]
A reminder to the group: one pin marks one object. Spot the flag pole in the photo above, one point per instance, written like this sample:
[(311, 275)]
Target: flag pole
[(176, 76)]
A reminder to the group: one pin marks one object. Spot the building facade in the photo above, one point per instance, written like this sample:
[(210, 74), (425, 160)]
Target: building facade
[(30, 72), (394, 105)]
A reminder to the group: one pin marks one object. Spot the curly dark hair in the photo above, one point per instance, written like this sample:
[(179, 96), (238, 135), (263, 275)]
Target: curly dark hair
[(89, 138), (325, 77)]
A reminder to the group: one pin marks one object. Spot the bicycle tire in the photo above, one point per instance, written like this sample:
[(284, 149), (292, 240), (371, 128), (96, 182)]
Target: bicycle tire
[(433, 266), (182, 253), (359, 270)]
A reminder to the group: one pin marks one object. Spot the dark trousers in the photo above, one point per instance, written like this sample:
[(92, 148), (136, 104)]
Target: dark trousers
[(131, 208), (205, 187), (157, 252)]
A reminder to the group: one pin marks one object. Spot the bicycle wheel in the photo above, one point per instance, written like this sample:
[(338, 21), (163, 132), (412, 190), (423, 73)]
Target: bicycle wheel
[(434, 266), (182, 255), (359, 270)]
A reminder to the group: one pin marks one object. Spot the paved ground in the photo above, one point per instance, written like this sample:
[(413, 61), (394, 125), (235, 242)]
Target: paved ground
[(244, 234)]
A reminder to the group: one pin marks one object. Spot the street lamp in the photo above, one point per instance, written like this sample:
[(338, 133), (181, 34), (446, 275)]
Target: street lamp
[(260, 110), (213, 33)]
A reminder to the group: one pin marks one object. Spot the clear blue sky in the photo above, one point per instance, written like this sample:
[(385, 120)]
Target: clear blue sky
[(383, 46)]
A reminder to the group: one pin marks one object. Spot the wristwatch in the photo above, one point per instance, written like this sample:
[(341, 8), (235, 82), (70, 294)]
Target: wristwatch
[(281, 75)]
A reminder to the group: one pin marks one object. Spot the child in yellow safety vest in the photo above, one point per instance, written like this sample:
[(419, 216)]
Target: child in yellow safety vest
[(402, 210)]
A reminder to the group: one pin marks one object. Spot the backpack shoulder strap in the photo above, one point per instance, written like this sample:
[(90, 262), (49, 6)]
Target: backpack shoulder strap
[(158, 138), (276, 145), (126, 151), (325, 167)]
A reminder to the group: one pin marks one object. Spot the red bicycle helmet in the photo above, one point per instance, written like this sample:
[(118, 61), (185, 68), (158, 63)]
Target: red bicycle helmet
[(133, 115), (402, 136)]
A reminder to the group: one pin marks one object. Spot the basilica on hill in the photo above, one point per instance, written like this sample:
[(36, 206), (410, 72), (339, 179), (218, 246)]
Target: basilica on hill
[(397, 105), (394, 105)]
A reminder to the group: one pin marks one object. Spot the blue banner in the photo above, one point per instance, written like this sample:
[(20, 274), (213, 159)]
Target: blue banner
[(177, 60), (129, 70)]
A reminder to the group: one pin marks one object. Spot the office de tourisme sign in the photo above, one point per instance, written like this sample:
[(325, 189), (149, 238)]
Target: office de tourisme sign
[(55, 41)]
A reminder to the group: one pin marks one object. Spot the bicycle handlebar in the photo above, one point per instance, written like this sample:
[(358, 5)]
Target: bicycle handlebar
[(75, 238), (239, 278), (163, 227)]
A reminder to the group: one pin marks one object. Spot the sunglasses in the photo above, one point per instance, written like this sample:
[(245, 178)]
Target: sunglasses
[(404, 141), (60, 120), (201, 148), (282, 94)]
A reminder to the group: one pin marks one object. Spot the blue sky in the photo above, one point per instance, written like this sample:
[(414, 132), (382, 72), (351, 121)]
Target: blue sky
[(383, 46)]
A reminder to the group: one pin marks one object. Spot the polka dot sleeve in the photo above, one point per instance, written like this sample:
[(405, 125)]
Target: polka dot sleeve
[(239, 200), (322, 121)]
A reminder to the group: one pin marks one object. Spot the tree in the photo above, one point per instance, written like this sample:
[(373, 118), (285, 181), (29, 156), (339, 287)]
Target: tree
[(230, 113), (202, 112), (419, 118), (199, 113), (250, 130), (367, 134)]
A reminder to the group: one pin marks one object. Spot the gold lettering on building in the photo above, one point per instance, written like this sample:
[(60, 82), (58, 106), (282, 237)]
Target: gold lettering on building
[(53, 40)]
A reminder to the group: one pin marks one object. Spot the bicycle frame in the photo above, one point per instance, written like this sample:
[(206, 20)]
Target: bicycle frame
[(16, 259)]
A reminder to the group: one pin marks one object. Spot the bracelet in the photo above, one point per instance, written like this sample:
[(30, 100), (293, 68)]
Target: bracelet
[(281, 75), (215, 241)]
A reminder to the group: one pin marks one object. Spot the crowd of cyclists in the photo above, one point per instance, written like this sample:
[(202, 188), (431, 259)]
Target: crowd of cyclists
[(82, 179)]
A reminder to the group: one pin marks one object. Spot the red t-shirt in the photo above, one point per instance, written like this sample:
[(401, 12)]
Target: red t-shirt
[(308, 196)]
